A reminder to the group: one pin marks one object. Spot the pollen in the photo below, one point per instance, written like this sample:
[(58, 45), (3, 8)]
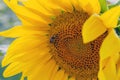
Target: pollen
[(67, 47)]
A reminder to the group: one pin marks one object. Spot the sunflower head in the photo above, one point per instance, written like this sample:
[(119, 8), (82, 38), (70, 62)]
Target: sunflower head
[(63, 39)]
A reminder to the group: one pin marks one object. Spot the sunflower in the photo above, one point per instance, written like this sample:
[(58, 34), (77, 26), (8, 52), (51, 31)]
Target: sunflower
[(63, 40)]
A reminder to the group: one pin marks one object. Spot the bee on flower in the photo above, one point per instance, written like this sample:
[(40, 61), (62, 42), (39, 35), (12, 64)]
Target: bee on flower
[(80, 43)]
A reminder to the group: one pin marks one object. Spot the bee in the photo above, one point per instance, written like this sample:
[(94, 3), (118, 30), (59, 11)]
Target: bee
[(52, 39)]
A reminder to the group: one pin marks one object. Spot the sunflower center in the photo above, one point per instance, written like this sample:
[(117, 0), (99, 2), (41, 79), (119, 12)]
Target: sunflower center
[(76, 58)]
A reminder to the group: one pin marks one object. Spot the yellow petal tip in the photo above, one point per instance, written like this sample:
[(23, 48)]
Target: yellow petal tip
[(92, 28)]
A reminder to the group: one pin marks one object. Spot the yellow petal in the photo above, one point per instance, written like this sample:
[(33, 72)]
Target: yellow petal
[(118, 69), (33, 73), (46, 71), (110, 17), (30, 64), (92, 28), (72, 78), (110, 46), (43, 8), (56, 6), (65, 4), (76, 4), (43, 73), (13, 32), (116, 57), (18, 48), (118, 64), (19, 31), (22, 77), (103, 63), (110, 70), (35, 6), (42, 27), (118, 74), (24, 13), (25, 57), (12, 69), (65, 77), (101, 75), (90, 6), (54, 72), (59, 75)]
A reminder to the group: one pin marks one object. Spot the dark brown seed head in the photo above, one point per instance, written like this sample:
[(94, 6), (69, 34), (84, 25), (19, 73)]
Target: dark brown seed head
[(76, 58)]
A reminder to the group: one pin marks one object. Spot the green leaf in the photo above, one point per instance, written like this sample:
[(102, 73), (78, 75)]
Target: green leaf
[(103, 4), (117, 31), (25, 78), (1, 54), (119, 22)]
